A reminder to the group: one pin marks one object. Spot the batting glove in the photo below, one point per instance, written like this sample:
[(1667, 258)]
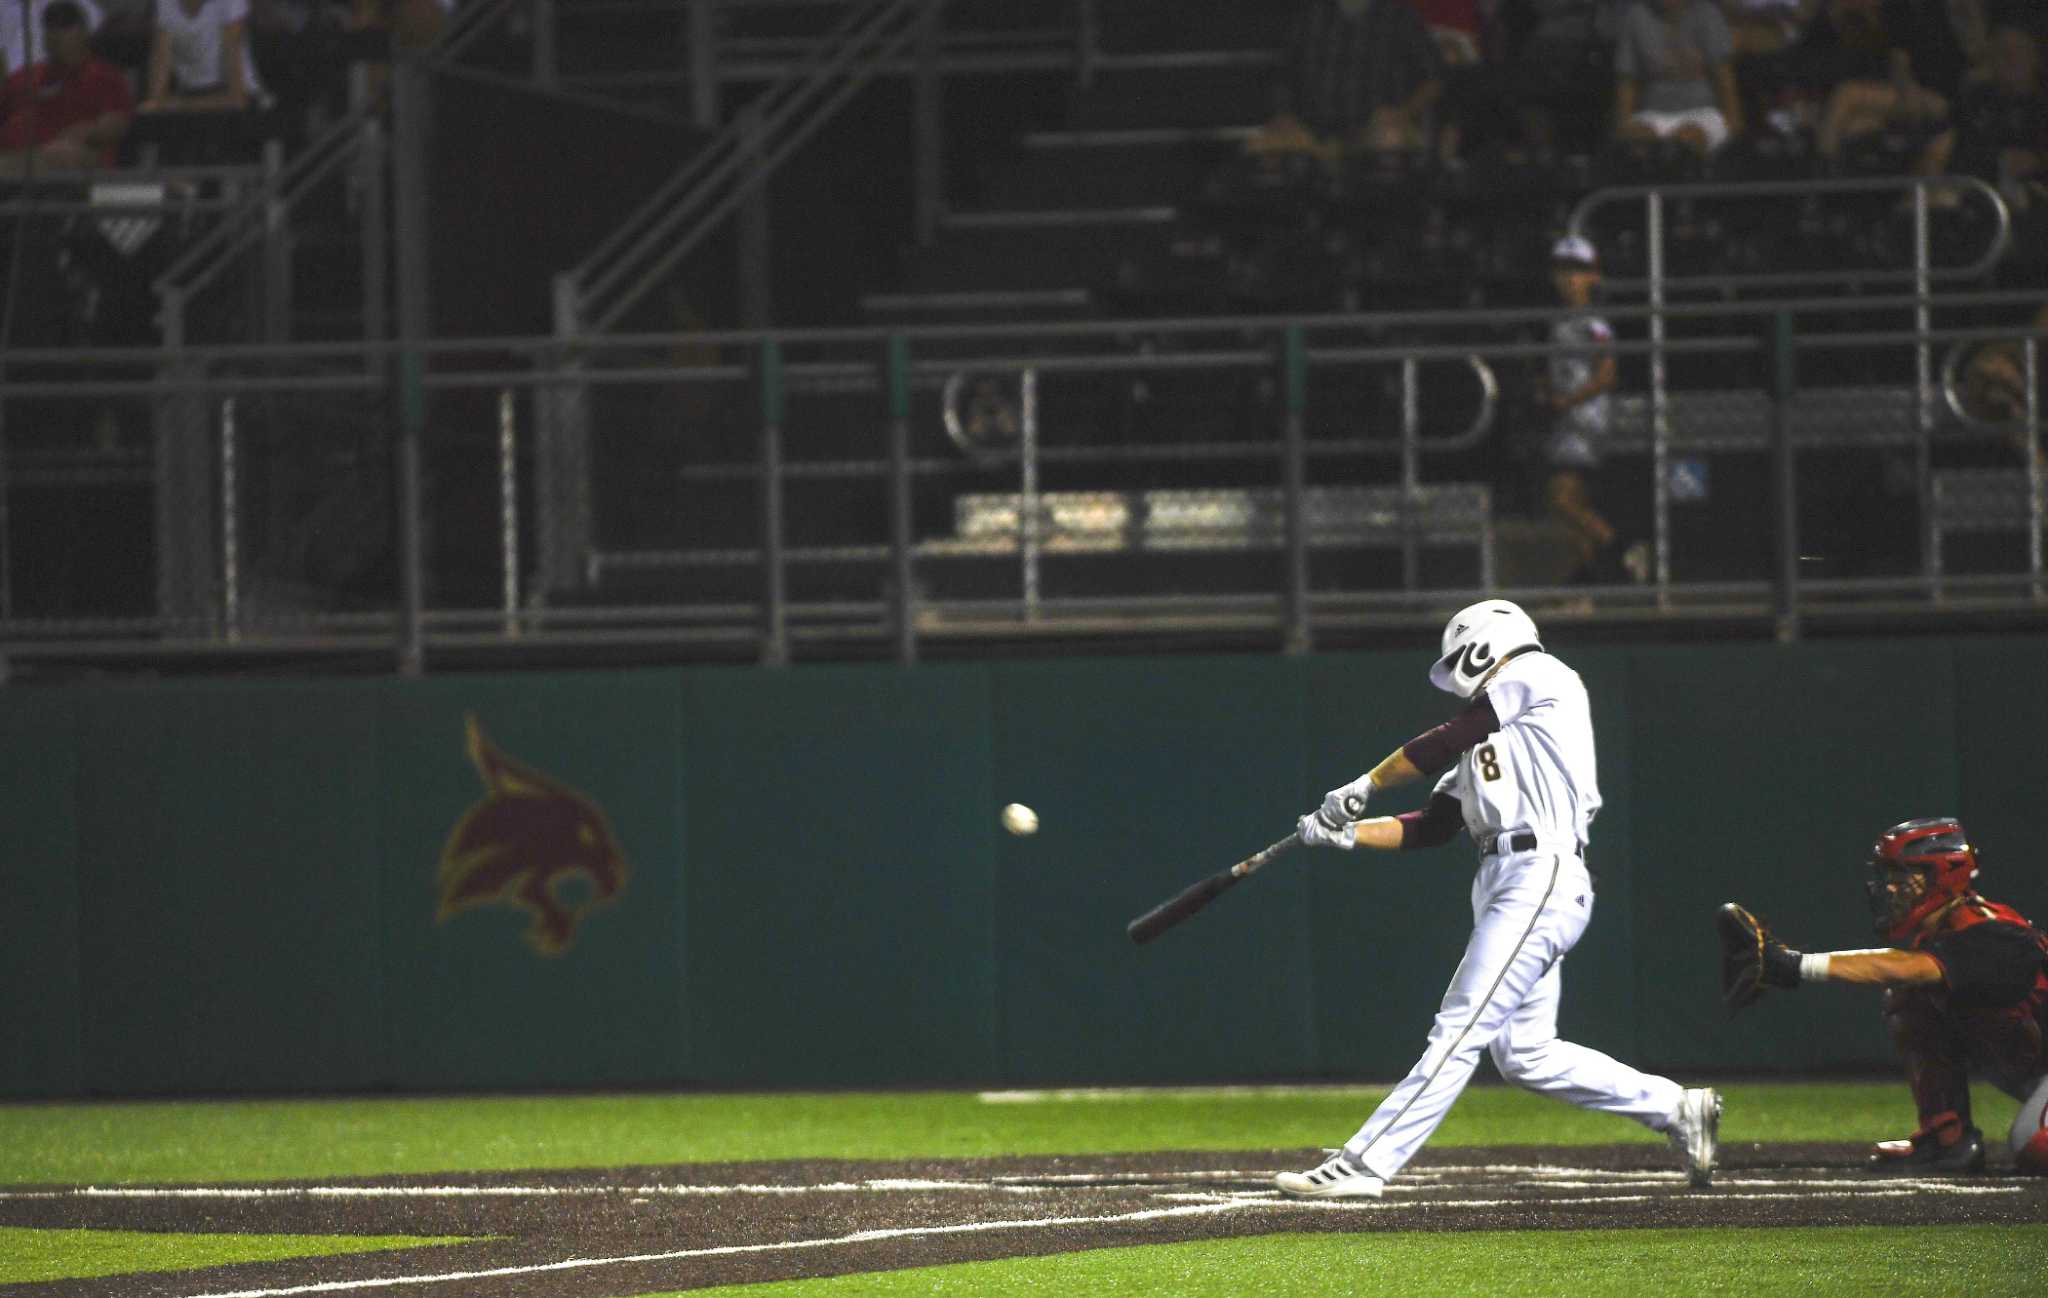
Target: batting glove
[(1347, 802), (1315, 832)]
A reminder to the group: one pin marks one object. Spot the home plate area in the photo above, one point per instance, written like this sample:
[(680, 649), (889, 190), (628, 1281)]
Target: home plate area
[(648, 1229)]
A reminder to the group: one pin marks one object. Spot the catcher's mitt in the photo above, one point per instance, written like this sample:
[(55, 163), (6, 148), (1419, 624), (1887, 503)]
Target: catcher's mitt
[(1751, 959)]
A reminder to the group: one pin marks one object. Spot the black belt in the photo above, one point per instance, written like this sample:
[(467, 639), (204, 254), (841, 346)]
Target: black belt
[(1522, 842)]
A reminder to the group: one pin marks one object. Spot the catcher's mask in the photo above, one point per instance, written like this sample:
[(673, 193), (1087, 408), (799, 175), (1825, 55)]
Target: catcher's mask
[(1476, 639), (1918, 867)]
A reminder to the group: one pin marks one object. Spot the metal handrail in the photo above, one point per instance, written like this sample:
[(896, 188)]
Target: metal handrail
[(469, 23), (210, 255), (2001, 242), (771, 103), (672, 223), (528, 347), (213, 252)]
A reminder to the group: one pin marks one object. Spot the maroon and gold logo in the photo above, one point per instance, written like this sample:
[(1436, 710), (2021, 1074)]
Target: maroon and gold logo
[(530, 836)]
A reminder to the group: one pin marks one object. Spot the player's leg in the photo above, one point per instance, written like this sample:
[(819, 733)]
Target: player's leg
[(2029, 1137), (1521, 932), (1935, 1053), (1528, 1053)]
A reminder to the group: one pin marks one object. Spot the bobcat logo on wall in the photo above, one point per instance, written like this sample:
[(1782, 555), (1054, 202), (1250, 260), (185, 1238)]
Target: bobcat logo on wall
[(529, 836)]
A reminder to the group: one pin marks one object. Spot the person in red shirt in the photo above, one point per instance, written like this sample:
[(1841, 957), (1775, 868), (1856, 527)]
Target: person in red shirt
[(67, 112)]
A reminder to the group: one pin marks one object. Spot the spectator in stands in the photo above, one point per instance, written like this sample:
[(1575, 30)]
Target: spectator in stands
[(1994, 385), (199, 59), (1459, 29), (1363, 75), (1673, 78), (67, 111), (1766, 27), (1999, 126), (19, 48), (1556, 70), (1886, 64), (1576, 393)]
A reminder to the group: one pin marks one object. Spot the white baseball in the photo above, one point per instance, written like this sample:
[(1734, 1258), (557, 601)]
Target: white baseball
[(1020, 819)]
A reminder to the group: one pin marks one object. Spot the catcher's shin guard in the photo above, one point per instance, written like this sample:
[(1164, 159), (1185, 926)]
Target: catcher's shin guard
[(1935, 1054), (1944, 1145)]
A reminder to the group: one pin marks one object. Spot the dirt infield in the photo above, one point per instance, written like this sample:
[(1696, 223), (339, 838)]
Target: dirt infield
[(641, 1229)]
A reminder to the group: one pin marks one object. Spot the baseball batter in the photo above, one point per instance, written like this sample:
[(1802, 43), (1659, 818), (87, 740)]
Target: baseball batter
[(1966, 991), (1518, 775)]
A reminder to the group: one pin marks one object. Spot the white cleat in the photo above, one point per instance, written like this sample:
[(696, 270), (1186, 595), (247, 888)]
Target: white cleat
[(1338, 1177), (1696, 1133)]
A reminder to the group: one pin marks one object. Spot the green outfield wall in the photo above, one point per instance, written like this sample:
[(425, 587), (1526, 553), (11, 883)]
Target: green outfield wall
[(797, 877)]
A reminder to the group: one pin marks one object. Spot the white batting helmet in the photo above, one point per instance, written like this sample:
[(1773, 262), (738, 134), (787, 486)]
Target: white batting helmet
[(1476, 639)]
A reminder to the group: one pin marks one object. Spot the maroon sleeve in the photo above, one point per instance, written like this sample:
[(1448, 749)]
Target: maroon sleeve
[(1436, 824), (1433, 750)]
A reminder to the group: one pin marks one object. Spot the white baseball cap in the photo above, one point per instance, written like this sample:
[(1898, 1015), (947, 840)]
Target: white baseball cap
[(1572, 250)]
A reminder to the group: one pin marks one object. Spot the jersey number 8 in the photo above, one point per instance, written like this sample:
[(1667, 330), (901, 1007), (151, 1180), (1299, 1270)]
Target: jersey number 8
[(1489, 763)]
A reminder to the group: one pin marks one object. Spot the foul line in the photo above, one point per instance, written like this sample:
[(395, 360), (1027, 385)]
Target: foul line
[(729, 1250), (1114, 1094)]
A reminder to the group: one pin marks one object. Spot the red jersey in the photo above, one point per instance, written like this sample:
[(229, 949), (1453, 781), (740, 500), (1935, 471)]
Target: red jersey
[(1991, 959), (42, 100)]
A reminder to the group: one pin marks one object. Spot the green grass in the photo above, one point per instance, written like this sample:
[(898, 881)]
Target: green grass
[(30, 1256), (1954, 1262), (111, 1143)]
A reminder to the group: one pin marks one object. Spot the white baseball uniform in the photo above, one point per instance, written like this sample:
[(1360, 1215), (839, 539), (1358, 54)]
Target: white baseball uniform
[(1536, 776)]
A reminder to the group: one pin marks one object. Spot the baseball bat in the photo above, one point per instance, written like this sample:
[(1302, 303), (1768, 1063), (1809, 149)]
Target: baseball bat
[(1199, 894), (1191, 899)]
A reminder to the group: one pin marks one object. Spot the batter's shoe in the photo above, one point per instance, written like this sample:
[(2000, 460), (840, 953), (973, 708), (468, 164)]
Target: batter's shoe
[(1696, 1133), (1923, 1154), (1338, 1177)]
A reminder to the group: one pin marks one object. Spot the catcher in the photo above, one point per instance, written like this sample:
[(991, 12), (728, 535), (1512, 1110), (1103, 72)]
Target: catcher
[(1966, 991)]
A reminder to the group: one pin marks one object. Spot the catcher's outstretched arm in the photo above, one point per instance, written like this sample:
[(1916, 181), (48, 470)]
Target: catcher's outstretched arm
[(1754, 961), (1877, 967)]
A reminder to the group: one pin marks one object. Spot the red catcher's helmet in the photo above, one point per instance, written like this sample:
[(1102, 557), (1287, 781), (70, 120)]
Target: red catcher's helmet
[(1919, 866)]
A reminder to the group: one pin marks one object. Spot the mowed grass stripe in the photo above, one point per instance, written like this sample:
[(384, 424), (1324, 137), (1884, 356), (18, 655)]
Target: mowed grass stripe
[(1827, 1262), (116, 1143), (34, 1256)]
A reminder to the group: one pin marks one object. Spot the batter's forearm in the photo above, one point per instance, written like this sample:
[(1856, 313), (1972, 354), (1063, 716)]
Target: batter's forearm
[(1381, 832), (1396, 769)]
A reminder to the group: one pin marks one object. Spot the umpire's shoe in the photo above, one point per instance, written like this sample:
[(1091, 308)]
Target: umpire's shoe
[(1696, 1133), (1923, 1152), (1340, 1176)]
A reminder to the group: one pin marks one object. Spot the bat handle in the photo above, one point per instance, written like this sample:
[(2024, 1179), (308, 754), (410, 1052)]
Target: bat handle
[(1263, 855)]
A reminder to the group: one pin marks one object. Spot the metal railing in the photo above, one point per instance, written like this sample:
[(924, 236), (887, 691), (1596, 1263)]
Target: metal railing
[(1658, 287), (683, 212), (849, 518)]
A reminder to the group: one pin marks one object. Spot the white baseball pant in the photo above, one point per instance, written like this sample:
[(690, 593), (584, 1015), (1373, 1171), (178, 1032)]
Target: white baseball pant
[(1528, 910)]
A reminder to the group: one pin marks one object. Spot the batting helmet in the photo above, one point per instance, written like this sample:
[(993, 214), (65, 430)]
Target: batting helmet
[(1919, 867), (1476, 639)]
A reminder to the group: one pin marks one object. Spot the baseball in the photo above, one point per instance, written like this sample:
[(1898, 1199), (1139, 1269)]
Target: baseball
[(1020, 819)]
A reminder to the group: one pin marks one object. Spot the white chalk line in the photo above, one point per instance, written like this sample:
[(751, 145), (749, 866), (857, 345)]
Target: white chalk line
[(729, 1250), (1197, 1094), (1412, 1182), (1419, 1189)]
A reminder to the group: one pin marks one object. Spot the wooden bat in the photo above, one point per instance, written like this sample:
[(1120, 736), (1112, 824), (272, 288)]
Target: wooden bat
[(1168, 913), (1192, 898)]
